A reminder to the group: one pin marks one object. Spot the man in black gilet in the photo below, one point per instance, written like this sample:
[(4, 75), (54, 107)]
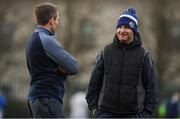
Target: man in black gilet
[(122, 83)]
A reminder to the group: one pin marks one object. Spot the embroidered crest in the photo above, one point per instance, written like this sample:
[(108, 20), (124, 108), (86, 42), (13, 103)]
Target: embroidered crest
[(131, 24)]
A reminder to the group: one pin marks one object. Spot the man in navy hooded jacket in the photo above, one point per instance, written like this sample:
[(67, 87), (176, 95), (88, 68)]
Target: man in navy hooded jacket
[(48, 64), (122, 82)]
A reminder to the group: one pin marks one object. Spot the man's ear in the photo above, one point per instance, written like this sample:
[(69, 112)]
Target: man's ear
[(51, 21)]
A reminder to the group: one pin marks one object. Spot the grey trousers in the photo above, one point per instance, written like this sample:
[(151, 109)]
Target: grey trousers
[(45, 108)]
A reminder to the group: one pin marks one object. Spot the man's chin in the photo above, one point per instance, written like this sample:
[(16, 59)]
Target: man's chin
[(123, 40)]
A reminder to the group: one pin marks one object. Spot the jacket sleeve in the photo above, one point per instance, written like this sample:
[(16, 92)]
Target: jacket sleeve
[(95, 82), (56, 52), (149, 82)]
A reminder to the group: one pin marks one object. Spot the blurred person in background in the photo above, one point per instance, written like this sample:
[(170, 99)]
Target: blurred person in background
[(170, 108), (49, 64), (122, 82), (78, 105), (2, 104)]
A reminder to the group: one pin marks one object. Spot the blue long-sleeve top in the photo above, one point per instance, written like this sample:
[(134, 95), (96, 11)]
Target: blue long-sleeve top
[(148, 79), (44, 54)]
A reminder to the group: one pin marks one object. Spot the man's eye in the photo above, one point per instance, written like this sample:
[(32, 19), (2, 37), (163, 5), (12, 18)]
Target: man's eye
[(126, 27)]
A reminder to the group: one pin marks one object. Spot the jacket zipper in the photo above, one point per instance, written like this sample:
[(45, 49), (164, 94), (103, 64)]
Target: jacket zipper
[(121, 64)]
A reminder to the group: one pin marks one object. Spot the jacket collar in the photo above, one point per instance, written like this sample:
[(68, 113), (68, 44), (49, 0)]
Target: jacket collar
[(41, 29)]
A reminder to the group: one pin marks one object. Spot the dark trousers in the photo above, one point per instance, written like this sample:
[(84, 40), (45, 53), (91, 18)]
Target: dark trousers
[(106, 114), (45, 108)]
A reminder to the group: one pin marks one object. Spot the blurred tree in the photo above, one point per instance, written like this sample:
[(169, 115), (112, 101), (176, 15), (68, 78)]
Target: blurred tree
[(6, 36), (7, 30), (163, 26), (79, 29), (69, 24), (86, 35)]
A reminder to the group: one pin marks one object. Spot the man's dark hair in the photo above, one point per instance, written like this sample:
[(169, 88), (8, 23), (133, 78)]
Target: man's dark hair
[(44, 12)]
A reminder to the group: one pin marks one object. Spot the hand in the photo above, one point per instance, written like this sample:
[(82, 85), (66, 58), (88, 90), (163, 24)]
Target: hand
[(94, 110), (61, 71), (146, 114)]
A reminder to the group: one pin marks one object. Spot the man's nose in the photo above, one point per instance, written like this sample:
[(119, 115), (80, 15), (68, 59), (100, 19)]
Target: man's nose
[(122, 29)]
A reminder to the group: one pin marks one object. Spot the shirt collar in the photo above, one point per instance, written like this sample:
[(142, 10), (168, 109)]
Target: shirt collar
[(41, 29)]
